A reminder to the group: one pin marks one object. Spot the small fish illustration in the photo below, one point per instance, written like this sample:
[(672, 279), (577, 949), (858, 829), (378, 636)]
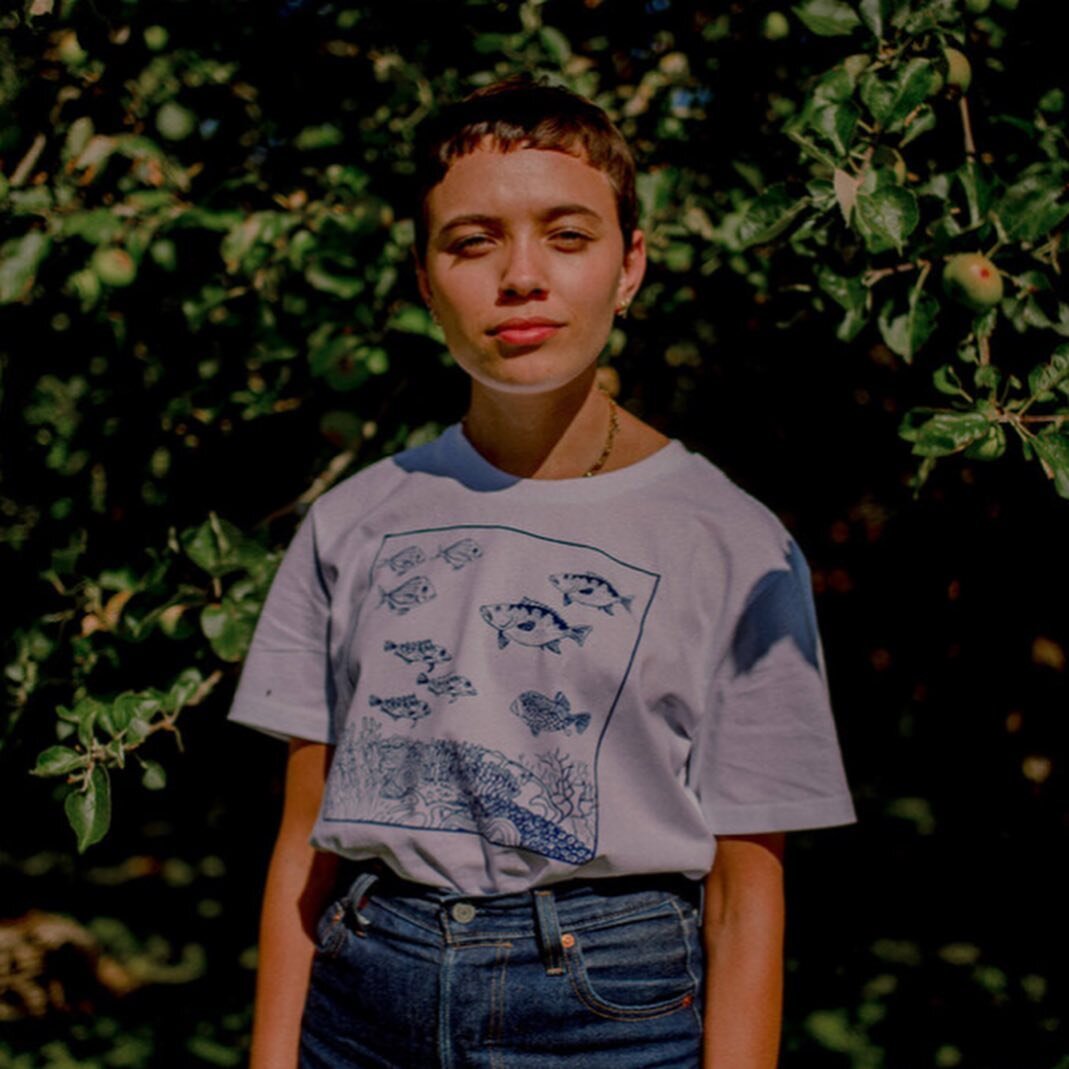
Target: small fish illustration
[(589, 589), (453, 686), (404, 560), (530, 623), (430, 653), (408, 595), (540, 713), (461, 553), (406, 707)]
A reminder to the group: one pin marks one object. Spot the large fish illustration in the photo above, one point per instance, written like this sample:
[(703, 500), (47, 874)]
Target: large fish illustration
[(540, 713), (430, 653), (460, 553), (452, 686), (405, 707), (404, 560), (408, 595), (530, 623), (586, 588)]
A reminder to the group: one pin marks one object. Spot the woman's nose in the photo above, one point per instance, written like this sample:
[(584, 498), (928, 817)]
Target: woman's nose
[(524, 274)]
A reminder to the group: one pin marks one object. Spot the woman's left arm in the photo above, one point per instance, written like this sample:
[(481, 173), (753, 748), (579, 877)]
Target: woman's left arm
[(742, 931)]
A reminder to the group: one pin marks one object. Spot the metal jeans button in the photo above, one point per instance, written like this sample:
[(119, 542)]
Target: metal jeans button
[(463, 912)]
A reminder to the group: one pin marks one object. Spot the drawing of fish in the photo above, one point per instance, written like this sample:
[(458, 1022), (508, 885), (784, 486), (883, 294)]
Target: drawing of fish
[(406, 707), (453, 686), (540, 713), (461, 553), (430, 653), (589, 589), (530, 623), (404, 560), (408, 595)]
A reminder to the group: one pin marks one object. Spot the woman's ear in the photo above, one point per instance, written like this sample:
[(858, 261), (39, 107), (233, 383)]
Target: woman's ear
[(633, 269)]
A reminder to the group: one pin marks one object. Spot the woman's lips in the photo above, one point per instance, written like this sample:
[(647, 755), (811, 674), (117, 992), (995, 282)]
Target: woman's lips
[(525, 331)]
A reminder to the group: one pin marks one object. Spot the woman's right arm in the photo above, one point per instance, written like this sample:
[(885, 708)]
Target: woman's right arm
[(299, 881)]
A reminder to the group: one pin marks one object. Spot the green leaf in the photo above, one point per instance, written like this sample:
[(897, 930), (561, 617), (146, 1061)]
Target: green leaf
[(58, 761), (769, 215), (228, 626), (947, 381), (218, 547), (891, 100), (125, 709), (941, 433), (837, 122), (556, 45), (414, 319), (1051, 376), (886, 217), (853, 296), (19, 260), (345, 286), (874, 15), (905, 334), (183, 689), (89, 810), (828, 18), (1053, 451), (1033, 207), (315, 137)]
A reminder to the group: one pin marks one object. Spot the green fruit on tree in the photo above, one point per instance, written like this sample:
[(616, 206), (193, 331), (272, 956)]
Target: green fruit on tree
[(156, 37), (973, 280), (776, 26), (175, 122), (114, 267), (959, 69)]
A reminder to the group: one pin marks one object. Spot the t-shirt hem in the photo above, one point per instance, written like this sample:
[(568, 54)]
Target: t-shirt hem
[(283, 723), (785, 816)]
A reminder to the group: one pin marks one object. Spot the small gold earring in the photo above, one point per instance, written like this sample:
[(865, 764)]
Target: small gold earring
[(621, 309)]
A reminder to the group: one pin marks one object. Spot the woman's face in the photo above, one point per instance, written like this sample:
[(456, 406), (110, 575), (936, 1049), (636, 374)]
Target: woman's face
[(525, 266)]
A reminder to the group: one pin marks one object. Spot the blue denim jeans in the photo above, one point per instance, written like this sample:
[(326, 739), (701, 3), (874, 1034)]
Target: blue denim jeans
[(599, 974)]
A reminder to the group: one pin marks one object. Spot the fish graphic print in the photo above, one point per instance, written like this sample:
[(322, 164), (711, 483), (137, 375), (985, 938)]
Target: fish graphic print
[(404, 560), (586, 588), (479, 700), (422, 650), (406, 707), (413, 592), (451, 686), (540, 713), (460, 553), (530, 623)]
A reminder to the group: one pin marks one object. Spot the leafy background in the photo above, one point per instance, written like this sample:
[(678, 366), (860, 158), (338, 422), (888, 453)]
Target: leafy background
[(207, 316)]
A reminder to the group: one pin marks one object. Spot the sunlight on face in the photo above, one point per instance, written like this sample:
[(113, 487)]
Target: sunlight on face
[(525, 266)]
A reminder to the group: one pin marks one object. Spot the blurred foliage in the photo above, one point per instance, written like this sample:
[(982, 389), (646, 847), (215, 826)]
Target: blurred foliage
[(207, 317)]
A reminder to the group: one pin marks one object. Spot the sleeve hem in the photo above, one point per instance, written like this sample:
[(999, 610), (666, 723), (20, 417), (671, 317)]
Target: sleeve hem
[(284, 723), (784, 816)]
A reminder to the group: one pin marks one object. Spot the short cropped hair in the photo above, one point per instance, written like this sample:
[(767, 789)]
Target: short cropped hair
[(523, 113)]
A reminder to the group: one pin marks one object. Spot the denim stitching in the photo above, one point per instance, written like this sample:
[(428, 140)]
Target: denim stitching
[(695, 979), (497, 1009)]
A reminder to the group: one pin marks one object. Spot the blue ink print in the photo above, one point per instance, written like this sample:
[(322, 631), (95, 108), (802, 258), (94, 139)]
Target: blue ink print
[(586, 588), (461, 553), (404, 560), (779, 606), (416, 591), (540, 713), (530, 623), (452, 686), (430, 653), (407, 707)]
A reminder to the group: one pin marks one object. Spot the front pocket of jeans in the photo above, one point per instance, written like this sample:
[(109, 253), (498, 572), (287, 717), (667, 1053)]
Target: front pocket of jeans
[(640, 967), (330, 929)]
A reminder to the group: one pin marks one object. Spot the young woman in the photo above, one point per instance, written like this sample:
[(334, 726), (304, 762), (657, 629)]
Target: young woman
[(552, 684)]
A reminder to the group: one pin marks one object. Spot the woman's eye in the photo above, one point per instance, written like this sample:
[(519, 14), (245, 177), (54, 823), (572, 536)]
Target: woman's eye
[(571, 239), (471, 244)]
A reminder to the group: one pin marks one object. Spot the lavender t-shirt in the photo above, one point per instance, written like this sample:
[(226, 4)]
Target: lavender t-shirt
[(532, 680)]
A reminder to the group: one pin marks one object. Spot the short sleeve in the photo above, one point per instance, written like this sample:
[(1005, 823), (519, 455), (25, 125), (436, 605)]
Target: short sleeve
[(286, 687), (767, 757)]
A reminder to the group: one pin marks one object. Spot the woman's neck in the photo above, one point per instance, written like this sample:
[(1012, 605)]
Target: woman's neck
[(559, 435)]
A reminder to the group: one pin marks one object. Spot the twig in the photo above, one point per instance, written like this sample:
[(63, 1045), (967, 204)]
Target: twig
[(970, 158), (29, 161), (872, 277)]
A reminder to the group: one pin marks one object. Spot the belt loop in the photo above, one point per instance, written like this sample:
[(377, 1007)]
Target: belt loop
[(547, 925), (357, 897)]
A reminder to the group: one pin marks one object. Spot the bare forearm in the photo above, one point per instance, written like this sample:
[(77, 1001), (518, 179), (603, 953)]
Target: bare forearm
[(298, 884), (299, 880), (743, 938)]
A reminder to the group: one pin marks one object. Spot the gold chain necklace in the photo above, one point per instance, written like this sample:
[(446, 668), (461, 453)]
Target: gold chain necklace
[(610, 439)]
